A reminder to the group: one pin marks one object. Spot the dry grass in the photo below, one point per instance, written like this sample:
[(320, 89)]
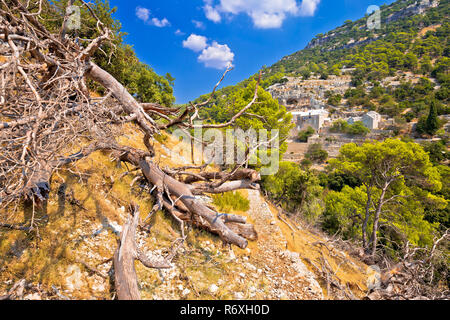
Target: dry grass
[(95, 194), (349, 270)]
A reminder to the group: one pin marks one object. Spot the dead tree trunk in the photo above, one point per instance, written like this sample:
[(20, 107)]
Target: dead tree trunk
[(127, 252), (184, 194), (235, 223)]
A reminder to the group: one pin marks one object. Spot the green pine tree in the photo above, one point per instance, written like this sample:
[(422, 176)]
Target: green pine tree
[(432, 124)]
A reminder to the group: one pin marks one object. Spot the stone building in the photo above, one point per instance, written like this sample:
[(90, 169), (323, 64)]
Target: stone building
[(311, 118), (371, 120)]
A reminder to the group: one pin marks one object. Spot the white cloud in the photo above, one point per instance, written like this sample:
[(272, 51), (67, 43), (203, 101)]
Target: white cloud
[(160, 23), (143, 13), (265, 20), (179, 33), (195, 43), (218, 56), (211, 12), (265, 14), (198, 24), (308, 7)]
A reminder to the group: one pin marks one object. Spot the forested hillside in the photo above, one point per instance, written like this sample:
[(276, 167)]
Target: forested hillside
[(386, 195), (417, 44)]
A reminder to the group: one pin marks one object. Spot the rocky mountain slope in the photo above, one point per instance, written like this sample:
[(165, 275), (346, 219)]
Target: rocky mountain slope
[(70, 258), (399, 10)]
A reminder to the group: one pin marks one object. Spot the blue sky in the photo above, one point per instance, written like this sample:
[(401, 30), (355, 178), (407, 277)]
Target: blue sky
[(194, 40)]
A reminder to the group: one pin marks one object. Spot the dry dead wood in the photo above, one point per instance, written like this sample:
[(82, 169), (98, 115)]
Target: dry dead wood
[(183, 193), (413, 277), (235, 223), (47, 109), (241, 174), (126, 282)]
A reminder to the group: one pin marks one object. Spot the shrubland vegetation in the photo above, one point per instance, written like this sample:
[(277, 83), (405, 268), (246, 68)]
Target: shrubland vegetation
[(303, 135), (316, 153), (356, 129), (231, 201), (380, 194)]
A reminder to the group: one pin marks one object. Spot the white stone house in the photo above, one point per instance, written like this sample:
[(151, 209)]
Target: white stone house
[(370, 120), (310, 118)]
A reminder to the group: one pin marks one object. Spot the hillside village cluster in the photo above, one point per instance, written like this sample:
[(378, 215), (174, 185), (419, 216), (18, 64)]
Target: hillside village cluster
[(305, 99), (307, 102)]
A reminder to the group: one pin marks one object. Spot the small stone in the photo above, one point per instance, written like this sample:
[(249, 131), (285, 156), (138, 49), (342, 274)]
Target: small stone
[(239, 296), (33, 296), (185, 292), (250, 266), (213, 288)]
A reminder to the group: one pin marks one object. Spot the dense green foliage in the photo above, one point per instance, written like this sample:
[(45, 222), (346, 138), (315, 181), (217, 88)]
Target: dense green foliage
[(296, 190), (265, 114), (380, 192), (303, 135), (396, 177), (357, 128), (350, 194), (316, 153)]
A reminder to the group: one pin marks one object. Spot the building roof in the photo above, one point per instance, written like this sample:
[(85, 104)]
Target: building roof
[(373, 114), (313, 112)]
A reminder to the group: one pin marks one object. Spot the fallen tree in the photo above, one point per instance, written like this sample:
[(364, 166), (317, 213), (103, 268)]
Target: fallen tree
[(124, 257), (47, 110)]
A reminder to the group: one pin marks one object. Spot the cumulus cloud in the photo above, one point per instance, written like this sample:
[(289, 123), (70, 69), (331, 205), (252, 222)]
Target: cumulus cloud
[(144, 15), (264, 20), (179, 33), (215, 55), (195, 43), (265, 14), (198, 24), (211, 12), (160, 23), (218, 56), (308, 7)]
